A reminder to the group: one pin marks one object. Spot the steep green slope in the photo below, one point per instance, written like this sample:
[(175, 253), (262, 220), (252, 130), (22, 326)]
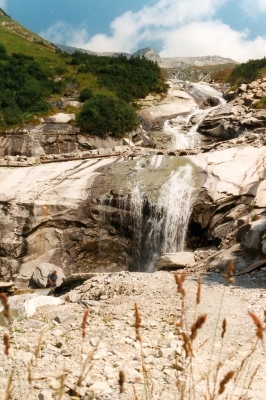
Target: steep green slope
[(33, 70), (18, 39)]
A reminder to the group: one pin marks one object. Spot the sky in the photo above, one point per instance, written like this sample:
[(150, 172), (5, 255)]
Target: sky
[(174, 28)]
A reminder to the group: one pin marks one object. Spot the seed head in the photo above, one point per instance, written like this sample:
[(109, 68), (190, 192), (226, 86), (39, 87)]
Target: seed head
[(229, 270), (226, 379), (121, 381), (6, 343), (259, 325), (198, 324), (84, 322), (224, 328)]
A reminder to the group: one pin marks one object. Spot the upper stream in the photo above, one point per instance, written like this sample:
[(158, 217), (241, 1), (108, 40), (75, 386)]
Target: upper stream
[(184, 127)]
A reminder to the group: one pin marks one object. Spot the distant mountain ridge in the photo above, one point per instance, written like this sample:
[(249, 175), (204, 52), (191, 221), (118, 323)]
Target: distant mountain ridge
[(151, 54)]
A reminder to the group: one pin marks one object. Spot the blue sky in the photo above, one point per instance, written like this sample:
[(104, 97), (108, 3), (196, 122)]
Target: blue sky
[(175, 28)]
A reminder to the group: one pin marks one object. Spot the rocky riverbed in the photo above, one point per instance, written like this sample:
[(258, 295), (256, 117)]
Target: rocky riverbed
[(110, 344)]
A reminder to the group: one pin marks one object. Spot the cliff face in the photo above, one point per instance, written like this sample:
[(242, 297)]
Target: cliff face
[(74, 214)]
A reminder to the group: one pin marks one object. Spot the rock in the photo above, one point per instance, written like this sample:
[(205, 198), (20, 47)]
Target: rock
[(210, 102), (41, 272), (100, 389), (36, 302), (60, 118), (252, 239), (177, 260), (6, 285), (45, 395)]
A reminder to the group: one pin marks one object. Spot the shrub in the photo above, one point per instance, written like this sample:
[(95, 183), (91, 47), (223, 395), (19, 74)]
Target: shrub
[(85, 94), (247, 72), (103, 115)]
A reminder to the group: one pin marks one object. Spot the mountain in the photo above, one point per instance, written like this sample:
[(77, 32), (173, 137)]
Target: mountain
[(151, 54)]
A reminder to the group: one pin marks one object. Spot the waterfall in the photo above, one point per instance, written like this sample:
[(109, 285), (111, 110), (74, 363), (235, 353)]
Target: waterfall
[(160, 226), (184, 127)]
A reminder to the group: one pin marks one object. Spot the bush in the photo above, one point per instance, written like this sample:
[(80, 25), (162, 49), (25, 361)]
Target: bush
[(129, 78), (247, 72), (85, 94), (103, 115), (24, 85)]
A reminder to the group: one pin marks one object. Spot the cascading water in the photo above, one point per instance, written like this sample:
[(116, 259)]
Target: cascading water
[(160, 226), (184, 127)]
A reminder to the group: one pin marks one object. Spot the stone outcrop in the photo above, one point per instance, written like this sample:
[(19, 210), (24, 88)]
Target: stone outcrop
[(230, 120), (40, 274), (50, 138), (179, 260)]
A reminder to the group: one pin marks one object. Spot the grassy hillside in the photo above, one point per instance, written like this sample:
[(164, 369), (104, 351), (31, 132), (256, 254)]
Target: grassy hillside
[(33, 72), (242, 73)]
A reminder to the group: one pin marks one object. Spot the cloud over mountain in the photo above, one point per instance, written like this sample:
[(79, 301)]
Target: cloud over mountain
[(180, 28)]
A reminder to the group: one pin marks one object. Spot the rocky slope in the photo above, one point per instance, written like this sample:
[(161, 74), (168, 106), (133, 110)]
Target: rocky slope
[(151, 54), (74, 213), (110, 344)]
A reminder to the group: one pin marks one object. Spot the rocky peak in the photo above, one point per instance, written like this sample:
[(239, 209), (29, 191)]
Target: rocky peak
[(148, 53), (2, 12)]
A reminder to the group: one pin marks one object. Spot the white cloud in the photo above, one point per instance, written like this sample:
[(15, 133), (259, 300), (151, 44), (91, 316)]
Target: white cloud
[(3, 5), (212, 38), (254, 8), (62, 33), (184, 28)]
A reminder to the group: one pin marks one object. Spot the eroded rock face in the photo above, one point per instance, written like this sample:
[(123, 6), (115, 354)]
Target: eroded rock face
[(74, 214), (50, 138)]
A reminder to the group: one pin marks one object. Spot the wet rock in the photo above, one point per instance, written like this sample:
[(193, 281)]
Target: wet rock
[(178, 260), (210, 102)]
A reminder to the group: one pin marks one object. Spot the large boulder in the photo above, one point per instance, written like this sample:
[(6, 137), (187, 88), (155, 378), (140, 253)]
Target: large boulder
[(40, 301), (178, 260), (41, 272)]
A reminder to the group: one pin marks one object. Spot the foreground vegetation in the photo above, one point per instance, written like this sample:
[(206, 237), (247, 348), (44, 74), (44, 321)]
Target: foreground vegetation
[(202, 366)]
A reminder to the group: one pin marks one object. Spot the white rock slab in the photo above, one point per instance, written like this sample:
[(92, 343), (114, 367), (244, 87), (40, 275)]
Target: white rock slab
[(61, 118), (177, 260), (41, 301)]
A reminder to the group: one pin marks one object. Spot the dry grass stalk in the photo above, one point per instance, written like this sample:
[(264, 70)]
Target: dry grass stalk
[(199, 290), (264, 316), (121, 381), (197, 325), (187, 345), (258, 324), (224, 381), (84, 322), (6, 343), (9, 388), (223, 328), (137, 321), (229, 270), (4, 301), (179, 282), (135, 393), (61, 390)]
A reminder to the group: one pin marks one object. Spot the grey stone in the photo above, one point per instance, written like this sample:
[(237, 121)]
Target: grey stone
[(41, 272), (177, 260)]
